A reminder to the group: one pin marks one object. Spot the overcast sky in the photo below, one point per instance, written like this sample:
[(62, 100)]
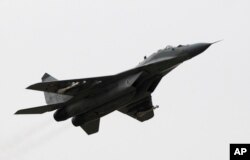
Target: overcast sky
[(204, 103)]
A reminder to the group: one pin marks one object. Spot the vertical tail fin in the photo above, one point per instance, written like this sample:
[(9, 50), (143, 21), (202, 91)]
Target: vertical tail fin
[(52, 98)]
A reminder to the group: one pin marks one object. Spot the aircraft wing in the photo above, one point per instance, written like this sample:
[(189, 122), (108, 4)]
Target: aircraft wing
[(71, 87), (141, 110), (74, 86)]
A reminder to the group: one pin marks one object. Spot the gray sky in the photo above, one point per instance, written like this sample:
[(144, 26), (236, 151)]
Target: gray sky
[(204, 103)]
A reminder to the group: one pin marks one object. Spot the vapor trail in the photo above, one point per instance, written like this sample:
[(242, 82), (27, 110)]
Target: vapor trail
[(38, 141), (22, 137)]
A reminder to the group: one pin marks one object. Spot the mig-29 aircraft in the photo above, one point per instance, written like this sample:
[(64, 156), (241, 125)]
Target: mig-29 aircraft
[(87, 100)]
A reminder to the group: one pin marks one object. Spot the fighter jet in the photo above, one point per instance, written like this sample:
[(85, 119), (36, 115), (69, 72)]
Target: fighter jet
[(87, 100)]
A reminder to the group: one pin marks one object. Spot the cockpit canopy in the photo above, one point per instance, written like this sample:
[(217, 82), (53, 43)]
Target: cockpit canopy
[(169, 47), (167, 51)]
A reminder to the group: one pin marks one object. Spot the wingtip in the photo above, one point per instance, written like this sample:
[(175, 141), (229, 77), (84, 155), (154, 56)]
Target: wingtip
[(22, 111), (17, 112), (30, 87), (33, 86)]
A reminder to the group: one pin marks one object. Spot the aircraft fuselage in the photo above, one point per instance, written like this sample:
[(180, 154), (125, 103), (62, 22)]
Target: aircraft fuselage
[(121, 94)]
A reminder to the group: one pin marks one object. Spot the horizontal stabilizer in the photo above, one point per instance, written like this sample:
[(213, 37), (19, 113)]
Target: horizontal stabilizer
[(40, 109), (91, 127)]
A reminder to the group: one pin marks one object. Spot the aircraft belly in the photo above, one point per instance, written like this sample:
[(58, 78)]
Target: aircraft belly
[(104, 109), (88, 104), (116, 103)]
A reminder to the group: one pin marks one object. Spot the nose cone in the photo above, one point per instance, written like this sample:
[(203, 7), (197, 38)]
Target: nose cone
[(198, 48)]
